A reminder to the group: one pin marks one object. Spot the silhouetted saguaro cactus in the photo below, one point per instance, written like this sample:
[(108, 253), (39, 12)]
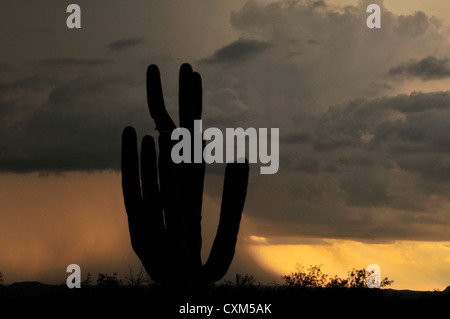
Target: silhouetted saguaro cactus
[(164, 200)]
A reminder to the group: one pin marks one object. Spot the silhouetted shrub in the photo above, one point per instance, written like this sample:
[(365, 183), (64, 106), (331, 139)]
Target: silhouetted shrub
[(1, 278), (242, 281), (336, 282), (245, 280), (87, 281), (141, 279), (357, 278), (108, 280), (314, 277)]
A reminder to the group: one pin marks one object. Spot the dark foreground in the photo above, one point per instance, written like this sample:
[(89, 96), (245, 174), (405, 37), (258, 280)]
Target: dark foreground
[(225, 301)]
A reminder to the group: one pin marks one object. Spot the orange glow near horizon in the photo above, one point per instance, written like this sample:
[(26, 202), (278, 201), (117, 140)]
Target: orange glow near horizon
[(412, 265), (50, 222)]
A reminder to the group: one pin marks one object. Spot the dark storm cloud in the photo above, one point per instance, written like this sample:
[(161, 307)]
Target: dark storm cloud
[(27, 82), (313, 42), (429, 68), (125, 43), (238, 51), (414, 25), (365, 168), (400, 124), (308, 164), (69, 61), (319, 3), (77, 128), (389, 130), (296, 137)]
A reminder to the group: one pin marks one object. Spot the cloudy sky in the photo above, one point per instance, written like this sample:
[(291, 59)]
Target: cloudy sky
[(363, 115)]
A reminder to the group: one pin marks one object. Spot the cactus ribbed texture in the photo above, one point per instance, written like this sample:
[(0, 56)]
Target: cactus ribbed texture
[(163, 200)]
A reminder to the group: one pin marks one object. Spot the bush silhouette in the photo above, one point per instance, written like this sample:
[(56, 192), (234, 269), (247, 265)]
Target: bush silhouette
[(245, 280), (300, 278), (87, 281), (242, 281), (108, 280), (141, 279), (164, 200), (314, 278)]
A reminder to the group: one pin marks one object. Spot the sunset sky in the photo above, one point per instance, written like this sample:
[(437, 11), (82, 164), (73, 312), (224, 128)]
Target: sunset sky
[(364, 118)]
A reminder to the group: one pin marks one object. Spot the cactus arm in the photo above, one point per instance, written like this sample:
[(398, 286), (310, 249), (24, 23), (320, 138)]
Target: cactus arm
[(185, 97), (155, 101), (131, 186), (233, 199), (145, 217)]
